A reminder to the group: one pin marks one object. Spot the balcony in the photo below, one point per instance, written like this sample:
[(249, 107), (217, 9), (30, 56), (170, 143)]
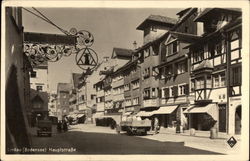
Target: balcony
[(154, 102)]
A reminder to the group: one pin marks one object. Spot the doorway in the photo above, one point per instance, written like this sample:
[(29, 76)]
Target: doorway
[(238, 120)]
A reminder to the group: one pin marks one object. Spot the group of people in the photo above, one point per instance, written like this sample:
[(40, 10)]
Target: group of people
[(63, 125)]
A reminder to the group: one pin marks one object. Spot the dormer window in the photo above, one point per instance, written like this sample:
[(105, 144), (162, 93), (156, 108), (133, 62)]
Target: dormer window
[(172, 48), (153, 28)]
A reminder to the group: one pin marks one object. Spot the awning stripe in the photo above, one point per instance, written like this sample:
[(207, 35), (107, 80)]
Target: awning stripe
[(211, 109)]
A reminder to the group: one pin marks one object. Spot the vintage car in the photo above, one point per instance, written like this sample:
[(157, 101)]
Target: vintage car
[(134, 125), (44, 127)]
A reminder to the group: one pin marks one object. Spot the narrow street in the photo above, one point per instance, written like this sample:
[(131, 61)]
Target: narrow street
[(91, 139)]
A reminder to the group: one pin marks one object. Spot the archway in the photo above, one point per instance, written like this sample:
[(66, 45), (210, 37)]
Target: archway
[(238, 120)]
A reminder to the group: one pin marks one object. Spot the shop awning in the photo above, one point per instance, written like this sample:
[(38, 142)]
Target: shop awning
[(144, 114), (211, 109), (127, 113), (165, 110)]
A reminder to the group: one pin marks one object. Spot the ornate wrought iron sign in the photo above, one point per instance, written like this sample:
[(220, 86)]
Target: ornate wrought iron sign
[(50, 47)]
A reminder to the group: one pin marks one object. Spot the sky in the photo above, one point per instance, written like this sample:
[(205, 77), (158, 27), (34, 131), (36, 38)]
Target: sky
[(111, 27)]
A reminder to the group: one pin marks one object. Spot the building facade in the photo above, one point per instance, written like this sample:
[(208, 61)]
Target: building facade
[(63, 95), (174, 70), (216, 72), (153, 28), (17, 68)]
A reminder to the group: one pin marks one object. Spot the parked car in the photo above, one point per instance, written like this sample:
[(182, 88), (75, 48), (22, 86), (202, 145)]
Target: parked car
[(44, 127)]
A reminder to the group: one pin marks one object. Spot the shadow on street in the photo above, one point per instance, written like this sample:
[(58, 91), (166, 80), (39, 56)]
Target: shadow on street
[(103, 143)]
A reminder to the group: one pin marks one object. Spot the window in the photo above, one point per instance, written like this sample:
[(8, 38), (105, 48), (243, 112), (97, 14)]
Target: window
[(39, 88), (172, 48), (169, 70), (183, 90), (171, 92), (222, 80), (236, 76), (186, 29), (92, 96), (181, 67), (135, 84), (33, 74), (192, 85), (200, 83), (126, 87), (153, 92), (209, 81), (153, 28), (146, 73), (146, 93), (219, 80), (216, 81), (146, 52), (198, 55), (136, 101), (128, 102)]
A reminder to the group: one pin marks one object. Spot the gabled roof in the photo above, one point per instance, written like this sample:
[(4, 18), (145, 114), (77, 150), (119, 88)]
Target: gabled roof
[(122, 53), (208, 12), (76, 79), (205, 38), (65, 87), (182, 12), (157, 19), (43, 95)]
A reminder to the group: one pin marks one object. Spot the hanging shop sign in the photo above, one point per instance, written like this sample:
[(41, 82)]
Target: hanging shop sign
[(41, 47)]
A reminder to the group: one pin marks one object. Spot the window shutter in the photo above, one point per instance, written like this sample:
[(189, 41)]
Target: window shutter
[(163, 52), (175, 91), (166, 90), (187, 89)]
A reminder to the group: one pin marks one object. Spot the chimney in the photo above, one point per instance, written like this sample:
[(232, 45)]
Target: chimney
[(135, 44)]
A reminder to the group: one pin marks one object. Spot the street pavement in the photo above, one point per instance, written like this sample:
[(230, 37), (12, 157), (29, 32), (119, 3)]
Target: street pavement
[(91, 139)]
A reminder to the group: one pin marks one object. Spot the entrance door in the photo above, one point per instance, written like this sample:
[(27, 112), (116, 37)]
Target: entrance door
[(238, 120), (222, 118)]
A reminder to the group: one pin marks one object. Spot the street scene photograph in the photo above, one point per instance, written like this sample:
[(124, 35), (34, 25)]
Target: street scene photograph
[(123, 81)]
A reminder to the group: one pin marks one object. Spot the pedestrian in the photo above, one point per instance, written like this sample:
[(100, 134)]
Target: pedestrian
[(156, 125), (59, 126), (65, 124)]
